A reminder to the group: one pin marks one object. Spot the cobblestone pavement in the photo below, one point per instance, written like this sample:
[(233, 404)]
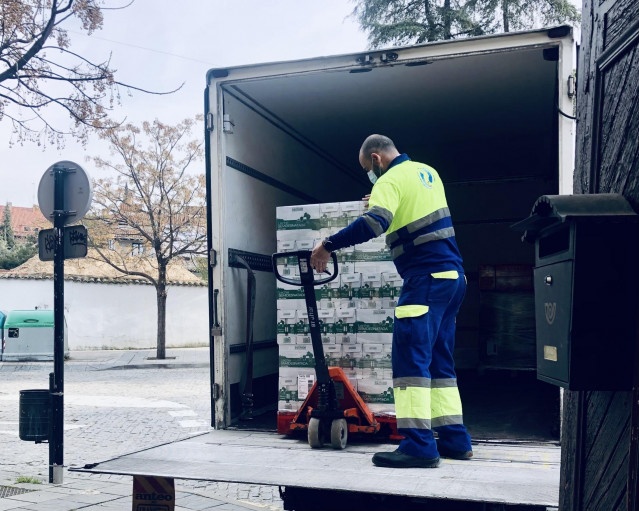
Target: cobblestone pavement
[(114, 412)]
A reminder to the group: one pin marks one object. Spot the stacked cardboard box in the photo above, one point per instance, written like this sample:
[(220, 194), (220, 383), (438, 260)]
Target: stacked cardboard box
[(356, 310)]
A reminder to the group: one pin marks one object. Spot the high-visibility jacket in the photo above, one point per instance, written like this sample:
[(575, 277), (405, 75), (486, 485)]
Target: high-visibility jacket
[(410, 199)]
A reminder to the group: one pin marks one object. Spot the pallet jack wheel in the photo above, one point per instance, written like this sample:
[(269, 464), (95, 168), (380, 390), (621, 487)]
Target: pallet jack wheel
[(339, 433), (314, 436)]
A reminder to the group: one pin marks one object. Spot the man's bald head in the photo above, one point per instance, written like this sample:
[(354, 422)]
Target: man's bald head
[(377, 144), (377, 152)]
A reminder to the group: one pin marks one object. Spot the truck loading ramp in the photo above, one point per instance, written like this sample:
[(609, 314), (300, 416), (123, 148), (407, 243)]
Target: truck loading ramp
[(522, 476)]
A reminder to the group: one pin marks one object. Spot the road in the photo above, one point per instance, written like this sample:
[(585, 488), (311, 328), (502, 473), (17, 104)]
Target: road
[(113, 412)]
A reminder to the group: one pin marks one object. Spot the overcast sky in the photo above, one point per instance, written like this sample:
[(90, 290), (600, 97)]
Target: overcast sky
[(158, 44)]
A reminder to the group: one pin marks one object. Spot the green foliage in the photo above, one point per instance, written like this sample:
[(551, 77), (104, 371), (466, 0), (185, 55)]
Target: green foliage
[(6, 230), (201, 268), (511, 15), (412, 21), (401, 22), (12, 257), (28, 479)]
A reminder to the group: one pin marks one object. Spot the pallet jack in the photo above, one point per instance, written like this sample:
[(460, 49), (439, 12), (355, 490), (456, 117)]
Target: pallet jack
[(333, 408)]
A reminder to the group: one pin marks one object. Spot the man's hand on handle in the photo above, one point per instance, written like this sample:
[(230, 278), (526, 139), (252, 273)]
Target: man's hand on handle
[(319, 258)]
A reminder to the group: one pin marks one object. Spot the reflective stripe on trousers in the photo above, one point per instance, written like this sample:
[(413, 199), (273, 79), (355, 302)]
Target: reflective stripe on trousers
[(423, 403)]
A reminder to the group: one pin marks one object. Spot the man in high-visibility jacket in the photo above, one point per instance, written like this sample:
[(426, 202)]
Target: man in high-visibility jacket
[(409, 204)]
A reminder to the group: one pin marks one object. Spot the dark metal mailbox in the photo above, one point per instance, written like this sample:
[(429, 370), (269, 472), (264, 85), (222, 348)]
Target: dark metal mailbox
[(586, 289)]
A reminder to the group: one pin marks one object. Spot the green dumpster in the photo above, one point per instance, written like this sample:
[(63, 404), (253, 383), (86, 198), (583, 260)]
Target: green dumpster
[(29, 334)]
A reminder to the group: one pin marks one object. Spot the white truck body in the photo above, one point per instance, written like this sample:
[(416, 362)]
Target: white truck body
[(482, 111)]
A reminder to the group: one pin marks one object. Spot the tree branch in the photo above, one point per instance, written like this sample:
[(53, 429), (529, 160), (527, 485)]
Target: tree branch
[(37, 46), (124, 270)]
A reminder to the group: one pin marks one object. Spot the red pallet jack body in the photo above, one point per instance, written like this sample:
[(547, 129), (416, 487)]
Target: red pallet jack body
[(333, 408), (358, 417), (387, 425)]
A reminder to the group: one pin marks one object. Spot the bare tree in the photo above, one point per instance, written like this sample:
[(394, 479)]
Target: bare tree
[(153, 211), (39, 72)]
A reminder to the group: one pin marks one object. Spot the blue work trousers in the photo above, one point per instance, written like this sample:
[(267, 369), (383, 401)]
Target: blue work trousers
[(424, 378)]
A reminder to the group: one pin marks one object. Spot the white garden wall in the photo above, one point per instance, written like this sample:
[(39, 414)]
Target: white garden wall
[(101, 315)]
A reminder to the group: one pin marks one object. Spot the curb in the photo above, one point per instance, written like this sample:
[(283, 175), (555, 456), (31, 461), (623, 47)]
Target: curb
[(152, 366)]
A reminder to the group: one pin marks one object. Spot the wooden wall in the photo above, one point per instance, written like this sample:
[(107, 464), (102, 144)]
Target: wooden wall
[(600, 449)]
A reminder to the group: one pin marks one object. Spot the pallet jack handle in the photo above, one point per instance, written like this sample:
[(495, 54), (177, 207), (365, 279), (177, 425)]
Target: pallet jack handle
[(304, 262), (308, 281)]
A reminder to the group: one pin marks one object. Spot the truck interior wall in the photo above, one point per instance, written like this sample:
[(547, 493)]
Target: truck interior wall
[(495, 163), (282, 165)]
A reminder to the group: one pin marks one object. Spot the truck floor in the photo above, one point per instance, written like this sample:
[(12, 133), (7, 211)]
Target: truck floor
[(514, 475)]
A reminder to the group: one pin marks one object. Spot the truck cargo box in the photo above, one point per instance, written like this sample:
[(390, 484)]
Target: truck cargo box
[(491, 114)]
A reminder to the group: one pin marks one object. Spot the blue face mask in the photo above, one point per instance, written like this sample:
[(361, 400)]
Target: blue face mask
[(372, 176)]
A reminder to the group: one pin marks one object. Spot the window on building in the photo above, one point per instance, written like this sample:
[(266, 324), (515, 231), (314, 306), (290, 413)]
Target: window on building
[(137, 248), (111, 244)]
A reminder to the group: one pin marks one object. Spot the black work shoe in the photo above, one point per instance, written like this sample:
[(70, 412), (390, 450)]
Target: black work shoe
[(398, 459), (454, 455)]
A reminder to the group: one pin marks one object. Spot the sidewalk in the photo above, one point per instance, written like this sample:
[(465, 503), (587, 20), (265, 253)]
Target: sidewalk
[(113, 493), (102, 360), (106, 493)]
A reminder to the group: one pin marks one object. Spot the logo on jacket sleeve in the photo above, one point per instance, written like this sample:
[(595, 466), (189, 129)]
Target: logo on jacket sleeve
[(426, 177)]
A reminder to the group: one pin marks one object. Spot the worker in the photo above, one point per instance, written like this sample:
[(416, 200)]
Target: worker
[(409, 204)]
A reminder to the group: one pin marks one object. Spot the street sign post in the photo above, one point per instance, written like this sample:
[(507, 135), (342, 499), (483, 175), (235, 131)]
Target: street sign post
[(64, 196), (77, 192), (75, 243)]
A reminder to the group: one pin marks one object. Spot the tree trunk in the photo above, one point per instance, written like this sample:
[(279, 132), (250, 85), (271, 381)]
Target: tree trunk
[(504, 13), (447, 19), (161, 299), (430, 18)]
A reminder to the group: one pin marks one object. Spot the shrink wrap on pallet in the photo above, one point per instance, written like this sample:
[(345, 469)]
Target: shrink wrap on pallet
[(355, 311)]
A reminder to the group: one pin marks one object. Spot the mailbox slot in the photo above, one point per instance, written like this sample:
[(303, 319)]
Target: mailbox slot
[(555, 243)]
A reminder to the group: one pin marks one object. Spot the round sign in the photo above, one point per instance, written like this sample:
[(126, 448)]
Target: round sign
[(78, 191)]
